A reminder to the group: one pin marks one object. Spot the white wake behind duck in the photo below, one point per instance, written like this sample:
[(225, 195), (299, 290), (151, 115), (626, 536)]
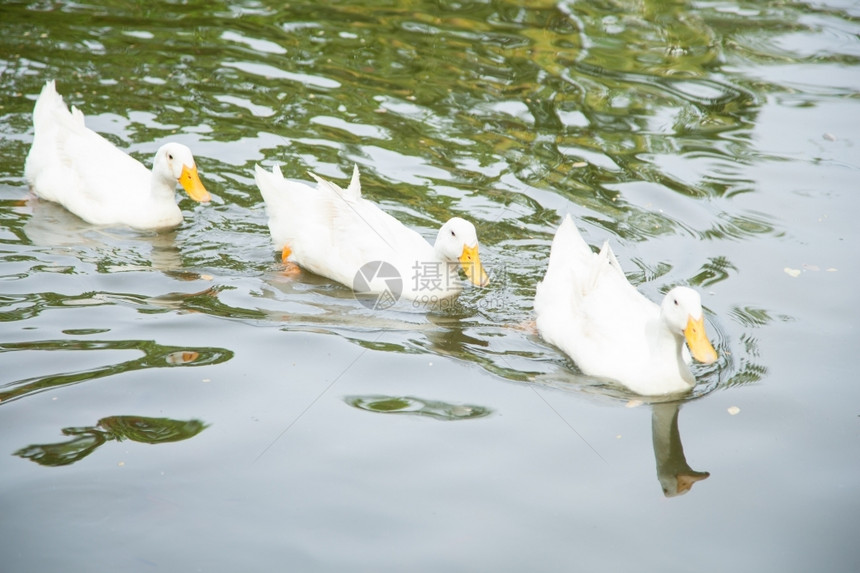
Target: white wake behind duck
[(586, 307), (76, 167), (335, 232)]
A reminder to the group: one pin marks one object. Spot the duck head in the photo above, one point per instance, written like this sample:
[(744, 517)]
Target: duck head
[(174, 161), (458, 241), (682, 312)]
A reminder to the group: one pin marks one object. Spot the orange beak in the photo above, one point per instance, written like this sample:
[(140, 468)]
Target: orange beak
[(471, 263), (190, 181), (697, 340)]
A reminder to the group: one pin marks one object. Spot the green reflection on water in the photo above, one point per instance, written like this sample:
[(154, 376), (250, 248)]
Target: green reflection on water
[(154, 356), (457, 85), (410, 405), (113, 428)]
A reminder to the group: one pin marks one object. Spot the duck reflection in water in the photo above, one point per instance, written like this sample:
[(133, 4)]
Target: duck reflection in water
[(675, 475), (118, 248)]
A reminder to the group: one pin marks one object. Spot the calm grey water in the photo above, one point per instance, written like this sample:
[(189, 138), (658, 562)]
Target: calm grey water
[(174, 402)]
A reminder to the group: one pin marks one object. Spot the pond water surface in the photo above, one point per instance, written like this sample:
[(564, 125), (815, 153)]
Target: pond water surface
[(174, 401)]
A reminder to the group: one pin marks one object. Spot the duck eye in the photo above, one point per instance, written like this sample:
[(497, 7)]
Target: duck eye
[(170, 156), (453, 234), (675, 301)]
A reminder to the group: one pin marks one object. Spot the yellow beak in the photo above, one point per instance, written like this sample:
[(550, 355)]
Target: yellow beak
[(190, 181), (471, 263), (697, 341)]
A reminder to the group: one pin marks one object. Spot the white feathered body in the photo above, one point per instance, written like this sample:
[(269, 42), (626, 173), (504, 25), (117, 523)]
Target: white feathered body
[(586, 306), (334, 232), (72, 165)]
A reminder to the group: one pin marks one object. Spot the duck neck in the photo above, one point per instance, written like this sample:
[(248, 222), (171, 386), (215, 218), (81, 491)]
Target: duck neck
[(162, 188), (668, 350), (449, 268)]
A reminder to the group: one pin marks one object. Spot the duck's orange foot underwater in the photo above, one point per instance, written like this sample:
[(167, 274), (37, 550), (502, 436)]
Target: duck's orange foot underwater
[(527, 326), (291, 269)]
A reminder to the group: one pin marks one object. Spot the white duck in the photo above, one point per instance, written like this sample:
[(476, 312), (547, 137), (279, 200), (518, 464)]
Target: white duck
[(334, 232), (81, 170), (586, 307)]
